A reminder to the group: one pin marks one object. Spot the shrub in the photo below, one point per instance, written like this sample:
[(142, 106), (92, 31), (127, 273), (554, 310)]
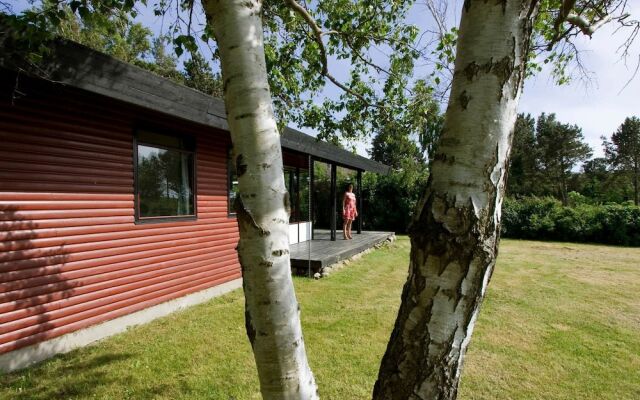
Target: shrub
[(546, 219)]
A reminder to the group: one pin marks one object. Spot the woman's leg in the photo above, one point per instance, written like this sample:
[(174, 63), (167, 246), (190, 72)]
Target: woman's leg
[(344, 228), (349, 229)]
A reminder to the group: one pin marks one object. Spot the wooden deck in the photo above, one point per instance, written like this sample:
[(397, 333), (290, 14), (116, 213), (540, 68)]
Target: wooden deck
[(322, 252)]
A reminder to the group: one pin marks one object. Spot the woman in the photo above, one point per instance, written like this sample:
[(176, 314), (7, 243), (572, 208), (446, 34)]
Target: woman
[(349, 211)]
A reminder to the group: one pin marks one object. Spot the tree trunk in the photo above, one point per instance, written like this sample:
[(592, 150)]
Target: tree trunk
[(563, 184), (272, 312), (563, 190), (636, 189), (455, 233)]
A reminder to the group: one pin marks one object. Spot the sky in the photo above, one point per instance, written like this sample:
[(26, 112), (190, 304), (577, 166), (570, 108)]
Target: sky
[(598, 106)]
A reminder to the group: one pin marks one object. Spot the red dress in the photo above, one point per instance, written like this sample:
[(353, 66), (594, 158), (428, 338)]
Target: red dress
[(349, 206)]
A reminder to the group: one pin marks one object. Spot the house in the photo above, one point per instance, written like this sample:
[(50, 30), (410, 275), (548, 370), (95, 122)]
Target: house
[(115, 201)]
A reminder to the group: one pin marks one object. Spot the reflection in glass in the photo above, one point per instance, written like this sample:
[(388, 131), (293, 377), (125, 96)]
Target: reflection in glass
[(297, 184), (233, 183), (165, 182)]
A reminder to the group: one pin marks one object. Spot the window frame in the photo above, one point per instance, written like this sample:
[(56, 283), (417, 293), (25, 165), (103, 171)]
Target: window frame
[(231, 212), (136, 192), (293, 173), (289, 172), (295, 184)]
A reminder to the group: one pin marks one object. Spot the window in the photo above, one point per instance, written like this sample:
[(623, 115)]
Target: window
[(297, 183), (291, 183), (232, 188), (165, 176)]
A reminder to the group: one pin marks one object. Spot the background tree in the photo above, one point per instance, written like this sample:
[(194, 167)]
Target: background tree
[(161, 61), (424, 118), (198, 75), (390, 200), (113, 33), (396, 149), (600, 184), (561, 148), (623, 152), (595, 178), (523, 168)]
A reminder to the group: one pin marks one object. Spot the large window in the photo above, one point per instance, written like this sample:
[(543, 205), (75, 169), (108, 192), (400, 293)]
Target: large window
[(165, 176), (296, 182)]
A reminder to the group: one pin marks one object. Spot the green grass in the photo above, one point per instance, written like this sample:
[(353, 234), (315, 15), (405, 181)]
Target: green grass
[(561, 321)]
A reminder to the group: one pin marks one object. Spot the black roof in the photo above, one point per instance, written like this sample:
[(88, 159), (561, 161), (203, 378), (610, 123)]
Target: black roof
[(81, 67)]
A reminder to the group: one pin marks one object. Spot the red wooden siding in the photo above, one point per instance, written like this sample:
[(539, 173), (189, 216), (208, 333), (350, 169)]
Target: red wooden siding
[(71, 254)]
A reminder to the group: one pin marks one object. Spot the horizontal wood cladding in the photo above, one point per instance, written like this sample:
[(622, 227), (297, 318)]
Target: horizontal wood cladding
[(71, 254)]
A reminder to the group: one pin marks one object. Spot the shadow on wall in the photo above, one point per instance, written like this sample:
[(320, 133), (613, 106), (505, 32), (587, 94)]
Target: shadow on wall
[(33, 288)]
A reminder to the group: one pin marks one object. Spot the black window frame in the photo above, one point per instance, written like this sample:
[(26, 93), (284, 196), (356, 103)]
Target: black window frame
[(294, 175), (136, 193), (231, 170)]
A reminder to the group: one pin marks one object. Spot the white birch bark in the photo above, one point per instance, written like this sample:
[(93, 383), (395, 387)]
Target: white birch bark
[(272, 311), (455, 234)]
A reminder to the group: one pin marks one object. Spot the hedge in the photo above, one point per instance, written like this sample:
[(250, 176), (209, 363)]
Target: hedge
[(546, 219)]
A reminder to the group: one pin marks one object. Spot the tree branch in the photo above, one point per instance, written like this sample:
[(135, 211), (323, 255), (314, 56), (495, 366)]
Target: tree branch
[(6, 7), (439, 16), (589, 28), (317, 34), (565, 10)]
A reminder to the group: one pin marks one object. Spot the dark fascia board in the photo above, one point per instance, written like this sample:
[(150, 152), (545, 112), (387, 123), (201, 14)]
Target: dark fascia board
[(78, 66), (295, 140)]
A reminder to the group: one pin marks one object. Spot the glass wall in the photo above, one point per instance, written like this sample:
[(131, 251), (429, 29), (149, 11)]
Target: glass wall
[(303, 198), (345, 176), (297, 182), (322, 193)]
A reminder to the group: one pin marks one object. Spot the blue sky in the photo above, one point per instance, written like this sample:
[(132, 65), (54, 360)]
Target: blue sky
[(598, 107)]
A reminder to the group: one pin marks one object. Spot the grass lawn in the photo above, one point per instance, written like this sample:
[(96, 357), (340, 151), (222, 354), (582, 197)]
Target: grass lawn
[(561, 321)]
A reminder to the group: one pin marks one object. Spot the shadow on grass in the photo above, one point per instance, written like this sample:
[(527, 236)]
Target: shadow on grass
[(72, 377)]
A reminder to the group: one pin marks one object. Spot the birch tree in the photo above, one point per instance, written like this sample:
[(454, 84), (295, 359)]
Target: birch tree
[(272, 312), (454, 237), (455, 232)]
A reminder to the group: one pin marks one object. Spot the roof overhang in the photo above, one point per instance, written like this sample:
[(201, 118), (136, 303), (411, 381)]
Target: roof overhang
[(81, 67)]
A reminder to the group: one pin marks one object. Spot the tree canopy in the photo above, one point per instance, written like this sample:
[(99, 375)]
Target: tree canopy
[(623, 152), (367, 50), (540, 150), (561, 148)]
